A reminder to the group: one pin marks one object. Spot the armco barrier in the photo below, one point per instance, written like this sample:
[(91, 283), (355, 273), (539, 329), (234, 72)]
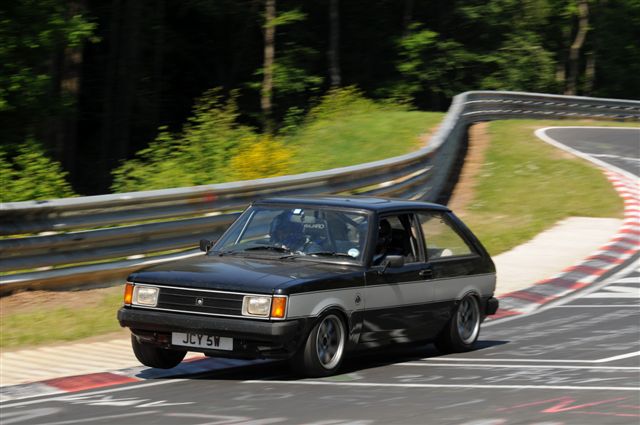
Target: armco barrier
[(75, 241)]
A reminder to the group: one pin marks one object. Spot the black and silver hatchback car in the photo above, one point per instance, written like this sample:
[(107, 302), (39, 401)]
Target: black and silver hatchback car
[(313, 278)]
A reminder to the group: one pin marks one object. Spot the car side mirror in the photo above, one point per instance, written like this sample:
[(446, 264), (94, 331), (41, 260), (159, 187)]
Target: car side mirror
[(394, 261), (205, 245)]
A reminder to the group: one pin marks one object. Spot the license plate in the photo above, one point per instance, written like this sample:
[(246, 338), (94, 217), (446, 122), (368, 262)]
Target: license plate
[(202, 341)]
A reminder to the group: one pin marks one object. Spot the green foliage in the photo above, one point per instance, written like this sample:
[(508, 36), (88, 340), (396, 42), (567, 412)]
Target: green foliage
[(521, 64), (31, 175), (197, 155), (32, 33), (287, 17), (289, 77), (430, 62), (346, 128), (259, 158)]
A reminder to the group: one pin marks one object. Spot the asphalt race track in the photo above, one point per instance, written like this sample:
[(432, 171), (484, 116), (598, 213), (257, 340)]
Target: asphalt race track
[(575, 361)]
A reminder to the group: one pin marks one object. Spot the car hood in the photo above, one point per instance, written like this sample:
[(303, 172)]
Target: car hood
[(243, 274)]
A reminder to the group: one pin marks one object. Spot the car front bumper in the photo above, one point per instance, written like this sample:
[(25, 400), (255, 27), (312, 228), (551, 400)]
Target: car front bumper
[(251, 338)]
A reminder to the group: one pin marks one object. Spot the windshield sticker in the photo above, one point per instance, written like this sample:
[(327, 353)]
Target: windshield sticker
[(353, 252)]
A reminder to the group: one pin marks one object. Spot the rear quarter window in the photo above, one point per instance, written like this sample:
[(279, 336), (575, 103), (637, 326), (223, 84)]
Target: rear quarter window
[(440, 237)]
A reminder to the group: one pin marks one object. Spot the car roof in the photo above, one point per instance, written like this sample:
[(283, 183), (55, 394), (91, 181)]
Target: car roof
[(355, 202)]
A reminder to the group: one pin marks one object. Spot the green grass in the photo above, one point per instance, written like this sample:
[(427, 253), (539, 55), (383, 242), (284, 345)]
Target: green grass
[(358, 138), (526, 186), (46, 325)]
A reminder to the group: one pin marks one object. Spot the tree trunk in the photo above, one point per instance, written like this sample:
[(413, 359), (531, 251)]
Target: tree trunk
[(576, 46), (407, 16), (110, 92), (58, 130), (269, 57), (589, 74), (158, 63), (334, 43)]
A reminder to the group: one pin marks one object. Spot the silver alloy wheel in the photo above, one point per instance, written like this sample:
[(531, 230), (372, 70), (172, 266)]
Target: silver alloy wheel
[(468, 319), (330, 341)]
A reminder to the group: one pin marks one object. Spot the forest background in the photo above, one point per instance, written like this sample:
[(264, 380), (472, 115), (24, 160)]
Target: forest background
[(109, 96)]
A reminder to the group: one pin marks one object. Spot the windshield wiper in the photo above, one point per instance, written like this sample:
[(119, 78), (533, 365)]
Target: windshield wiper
[(330, 254), (268, 248)]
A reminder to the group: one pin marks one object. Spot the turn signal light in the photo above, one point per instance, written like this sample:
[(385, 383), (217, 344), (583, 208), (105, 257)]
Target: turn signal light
[(278, 307), (128, 293)]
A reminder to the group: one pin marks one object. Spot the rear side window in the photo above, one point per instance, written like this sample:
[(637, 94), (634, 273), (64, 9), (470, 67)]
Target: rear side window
[(441, 239)]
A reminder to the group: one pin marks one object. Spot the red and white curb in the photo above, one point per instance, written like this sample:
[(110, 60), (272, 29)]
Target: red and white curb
[(92, 381)]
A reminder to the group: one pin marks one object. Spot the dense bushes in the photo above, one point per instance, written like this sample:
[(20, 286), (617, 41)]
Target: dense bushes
[(343, 128), (28, 174)]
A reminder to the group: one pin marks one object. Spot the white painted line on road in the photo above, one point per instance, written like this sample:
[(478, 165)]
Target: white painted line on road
[(599, 306), (515, 366), (478, 386), (99, 418), (470, 359), (612, 295), (606, 155), (623, 289), (107, 391), (635, 279), (620, 357)]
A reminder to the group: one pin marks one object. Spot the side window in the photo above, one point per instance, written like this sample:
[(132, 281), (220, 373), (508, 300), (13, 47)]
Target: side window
[(397, 236), (441, 239)]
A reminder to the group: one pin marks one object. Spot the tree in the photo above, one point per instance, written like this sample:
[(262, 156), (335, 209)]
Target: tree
[(40, 55), (269, 54), (576, 47), (334, 43)]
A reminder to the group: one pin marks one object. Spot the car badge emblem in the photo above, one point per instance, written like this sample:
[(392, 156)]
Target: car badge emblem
[(199, 301)]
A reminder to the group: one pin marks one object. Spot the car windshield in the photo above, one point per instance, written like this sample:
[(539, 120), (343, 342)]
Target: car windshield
[(318, 233)]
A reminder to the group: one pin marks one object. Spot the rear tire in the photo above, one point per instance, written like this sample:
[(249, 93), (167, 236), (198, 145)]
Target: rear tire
[(158, 357), (462, 331), (323, 351)]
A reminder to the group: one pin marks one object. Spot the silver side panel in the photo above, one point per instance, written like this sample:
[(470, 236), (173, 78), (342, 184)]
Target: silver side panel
[(398, 294), (456, 288), (390, 295), (313, 303)]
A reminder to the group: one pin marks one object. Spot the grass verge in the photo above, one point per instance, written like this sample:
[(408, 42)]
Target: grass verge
[(358, 138), (526, 186), (42, 317)]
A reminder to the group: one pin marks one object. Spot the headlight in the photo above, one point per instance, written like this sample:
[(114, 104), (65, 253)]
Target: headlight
[(256, 306), (145, 295)]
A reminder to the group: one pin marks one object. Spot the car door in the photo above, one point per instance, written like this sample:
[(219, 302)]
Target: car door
[(397, 298)]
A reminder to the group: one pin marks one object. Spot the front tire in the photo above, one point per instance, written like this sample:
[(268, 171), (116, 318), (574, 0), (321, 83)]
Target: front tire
[(324, 348), (158, 357), (462, 331)]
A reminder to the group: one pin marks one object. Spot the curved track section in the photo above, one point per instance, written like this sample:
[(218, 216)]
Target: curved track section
[(574, 361)]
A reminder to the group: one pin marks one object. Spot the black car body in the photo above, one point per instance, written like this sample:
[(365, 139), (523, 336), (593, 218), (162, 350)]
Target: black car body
[(311, 278)]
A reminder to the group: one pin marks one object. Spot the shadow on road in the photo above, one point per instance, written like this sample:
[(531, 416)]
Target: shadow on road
[(358, 362)]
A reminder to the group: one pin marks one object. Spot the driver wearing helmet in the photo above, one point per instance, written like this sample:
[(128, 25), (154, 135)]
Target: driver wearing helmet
[(286, 233)]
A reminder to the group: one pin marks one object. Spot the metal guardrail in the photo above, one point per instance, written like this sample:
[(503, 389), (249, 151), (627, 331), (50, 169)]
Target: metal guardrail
[(104, 235)]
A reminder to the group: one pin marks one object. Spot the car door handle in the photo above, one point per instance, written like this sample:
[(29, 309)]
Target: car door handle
[(427, 273)]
